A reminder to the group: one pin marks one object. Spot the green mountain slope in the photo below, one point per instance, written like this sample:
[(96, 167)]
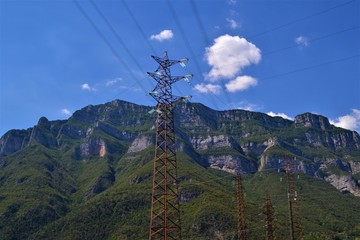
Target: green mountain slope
[(90, 177)]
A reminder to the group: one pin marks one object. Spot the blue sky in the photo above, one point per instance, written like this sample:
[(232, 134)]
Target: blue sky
[(282, 57)]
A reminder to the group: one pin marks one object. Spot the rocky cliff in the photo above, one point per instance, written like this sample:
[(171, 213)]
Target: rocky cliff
[(235, 141)]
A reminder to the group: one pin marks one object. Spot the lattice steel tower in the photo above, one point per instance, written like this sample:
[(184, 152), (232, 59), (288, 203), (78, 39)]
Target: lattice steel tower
[(242, 231), (165, 213), (268, 211), (296, 231)]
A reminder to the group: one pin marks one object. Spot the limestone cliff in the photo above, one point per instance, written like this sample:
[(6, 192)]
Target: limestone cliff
[(235, 141)]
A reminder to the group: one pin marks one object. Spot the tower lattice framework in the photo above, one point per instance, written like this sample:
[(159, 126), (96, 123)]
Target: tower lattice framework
[(296, 231), (242, 231), (268, 211), (165, 214)]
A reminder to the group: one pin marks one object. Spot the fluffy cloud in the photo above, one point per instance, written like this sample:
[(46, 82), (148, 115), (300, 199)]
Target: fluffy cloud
[(208, 88), (350, 121), (240, 83), (163, 35), (229, 55), (283, 115), (65, 111), (87, 87), (231, 2), (113, 81), (302, 41), (232, 23)]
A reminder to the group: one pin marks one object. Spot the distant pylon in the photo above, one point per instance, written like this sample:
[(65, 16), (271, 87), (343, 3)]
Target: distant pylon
[(296, 232), (268, 211), (165, 213), (241, 222)]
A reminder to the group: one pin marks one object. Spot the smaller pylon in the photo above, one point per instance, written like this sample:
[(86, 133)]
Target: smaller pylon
[(242, 231), (268, 211), (296, 231)]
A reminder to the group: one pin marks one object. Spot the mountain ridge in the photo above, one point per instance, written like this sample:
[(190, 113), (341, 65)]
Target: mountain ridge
[(316, 129), (94, 169)]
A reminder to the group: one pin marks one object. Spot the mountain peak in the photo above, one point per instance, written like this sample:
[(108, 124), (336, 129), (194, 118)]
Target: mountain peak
[(311, 120)]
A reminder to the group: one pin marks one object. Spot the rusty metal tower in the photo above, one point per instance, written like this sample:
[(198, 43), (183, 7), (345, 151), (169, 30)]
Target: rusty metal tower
[(268, 211), (242, 231), (165, 213), (296, 231)]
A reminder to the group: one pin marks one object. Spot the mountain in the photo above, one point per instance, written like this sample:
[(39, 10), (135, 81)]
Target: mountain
[(89, 177)]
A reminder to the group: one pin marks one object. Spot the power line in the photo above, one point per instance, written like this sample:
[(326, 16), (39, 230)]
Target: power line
[(302, 19), (116, 35), (200, 23), (206, 39), (298, 20), (138, 26), (142, 34), (311, 67), (313, 40), (97, 30), (187, 43)]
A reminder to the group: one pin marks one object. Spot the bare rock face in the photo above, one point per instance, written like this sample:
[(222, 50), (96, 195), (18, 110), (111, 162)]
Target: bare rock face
[(114, 132), (232, 140), (319, 133), (355, 167), (313, 121), (141, 143), (13, 141), (254, 148), (218, 141), (43, 137), (344, 184), (94, 146), (231, 164), (72, 131)]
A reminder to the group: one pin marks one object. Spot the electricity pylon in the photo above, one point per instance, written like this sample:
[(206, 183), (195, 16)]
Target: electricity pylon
[(268, 211), (165, 213), (242, 234), (296, 232)]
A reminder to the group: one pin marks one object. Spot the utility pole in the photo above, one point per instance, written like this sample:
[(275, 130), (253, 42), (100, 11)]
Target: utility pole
[(296, 232), (165, 212), (268, 211), (242, 231)]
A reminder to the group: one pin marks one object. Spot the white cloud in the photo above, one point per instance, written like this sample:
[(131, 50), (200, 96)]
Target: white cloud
[(231, 2), (229, 55), (232, 23), (283, 115), (208, 88), (113, 81), (86, 86), (244, 105), (65, 111), (350, 121), (302, 41), (240, 83), (163, 35)]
